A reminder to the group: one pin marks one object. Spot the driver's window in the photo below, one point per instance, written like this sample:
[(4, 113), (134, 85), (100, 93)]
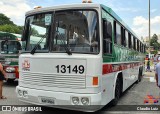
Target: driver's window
[(39, 27)]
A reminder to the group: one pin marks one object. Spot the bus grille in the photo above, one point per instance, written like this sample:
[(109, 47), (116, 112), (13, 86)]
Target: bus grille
[(54, 80)]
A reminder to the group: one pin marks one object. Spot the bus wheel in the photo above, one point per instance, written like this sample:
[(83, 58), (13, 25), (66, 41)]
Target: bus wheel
[(117, 92), (139, 76)]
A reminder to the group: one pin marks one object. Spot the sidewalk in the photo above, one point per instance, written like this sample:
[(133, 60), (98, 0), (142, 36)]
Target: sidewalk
[(149, 74)]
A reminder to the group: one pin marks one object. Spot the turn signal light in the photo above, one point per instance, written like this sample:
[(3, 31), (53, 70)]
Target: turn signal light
[(89, 1), (95, 81), (37, 7), (84, 1)]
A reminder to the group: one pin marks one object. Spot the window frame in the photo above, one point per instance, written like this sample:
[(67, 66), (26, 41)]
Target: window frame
[(110, 42)]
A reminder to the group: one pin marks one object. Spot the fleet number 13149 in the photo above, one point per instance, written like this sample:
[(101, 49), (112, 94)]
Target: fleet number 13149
[(69, 69)]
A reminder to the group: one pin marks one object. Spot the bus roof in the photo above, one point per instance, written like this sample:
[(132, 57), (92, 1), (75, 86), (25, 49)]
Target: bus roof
[(9, 36), (17, 35), (109, 10), (63, 7), (85, 6)]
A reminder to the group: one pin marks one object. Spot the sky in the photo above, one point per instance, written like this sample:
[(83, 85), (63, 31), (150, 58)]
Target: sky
[(133, 12)]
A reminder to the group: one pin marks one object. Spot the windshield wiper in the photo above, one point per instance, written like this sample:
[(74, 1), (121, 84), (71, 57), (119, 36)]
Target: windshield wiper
[(35, 48), (68, 51)]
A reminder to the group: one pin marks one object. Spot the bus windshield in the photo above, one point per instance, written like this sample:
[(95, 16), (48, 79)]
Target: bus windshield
[(76, 30), (10, 47), (38, 27)]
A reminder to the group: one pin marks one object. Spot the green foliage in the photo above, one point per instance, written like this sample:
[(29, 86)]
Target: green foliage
[(154, 42), (6, 25), (20, 29), (154, 52), (34, 32), (10, 29), (5, 20)]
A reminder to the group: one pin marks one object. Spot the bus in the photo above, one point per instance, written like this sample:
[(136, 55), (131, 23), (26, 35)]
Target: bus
[(9, 52), (88, 57)]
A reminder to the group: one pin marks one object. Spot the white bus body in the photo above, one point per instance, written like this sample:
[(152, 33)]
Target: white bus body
[(85, 82)]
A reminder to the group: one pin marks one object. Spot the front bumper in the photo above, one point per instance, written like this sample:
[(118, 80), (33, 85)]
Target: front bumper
[(61, 99)]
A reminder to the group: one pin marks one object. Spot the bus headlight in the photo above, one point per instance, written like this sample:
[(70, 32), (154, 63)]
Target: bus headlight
[(25, 93), (10, 69), (75, 100), (85, 100), (20, 93)]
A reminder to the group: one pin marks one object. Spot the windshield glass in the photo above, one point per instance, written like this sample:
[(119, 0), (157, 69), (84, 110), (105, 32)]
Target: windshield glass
[(72, 31), (38, 27), (10, 47), (78, 30)]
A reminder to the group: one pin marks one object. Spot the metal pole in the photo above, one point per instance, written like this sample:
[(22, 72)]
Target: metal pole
[(149, 30)]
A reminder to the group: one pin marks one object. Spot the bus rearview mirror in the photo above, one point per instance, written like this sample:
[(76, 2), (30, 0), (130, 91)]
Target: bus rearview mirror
[(25, 31), (23, 36)]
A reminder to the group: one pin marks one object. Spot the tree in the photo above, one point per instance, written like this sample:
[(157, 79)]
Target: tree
[(20, 29), (10, 29), (154, 52), (34, 32), (154, 42), (5, 20), (6, 25)]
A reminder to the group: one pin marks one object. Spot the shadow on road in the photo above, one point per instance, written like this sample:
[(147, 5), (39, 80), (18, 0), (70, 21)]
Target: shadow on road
[(11, 84)]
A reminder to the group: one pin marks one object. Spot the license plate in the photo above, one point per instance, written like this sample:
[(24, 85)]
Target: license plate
[(10, 75), (48, 101)]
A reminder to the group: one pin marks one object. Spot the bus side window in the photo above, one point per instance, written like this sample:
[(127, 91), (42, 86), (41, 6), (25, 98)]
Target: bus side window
[(107, 37), (129, 40), (138, 45), (126, 37), (123, 41)]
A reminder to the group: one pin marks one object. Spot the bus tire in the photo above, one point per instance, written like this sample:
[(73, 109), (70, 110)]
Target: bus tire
[(139, 76), (117, 92)]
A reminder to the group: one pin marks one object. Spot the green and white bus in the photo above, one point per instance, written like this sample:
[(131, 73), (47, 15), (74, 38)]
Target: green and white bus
[(88, 57), (9, 52)]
